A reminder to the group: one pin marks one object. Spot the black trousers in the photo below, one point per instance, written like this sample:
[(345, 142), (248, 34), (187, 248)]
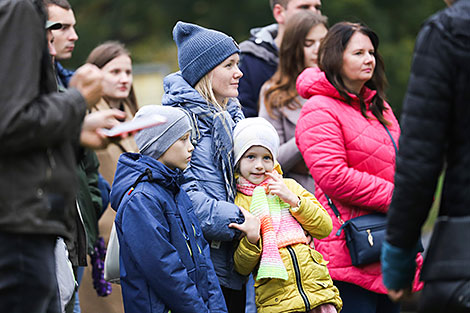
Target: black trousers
[(235, 299), (28, 282)]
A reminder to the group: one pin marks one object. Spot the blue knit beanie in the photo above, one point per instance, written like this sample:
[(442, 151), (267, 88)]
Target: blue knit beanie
[(200, 50)]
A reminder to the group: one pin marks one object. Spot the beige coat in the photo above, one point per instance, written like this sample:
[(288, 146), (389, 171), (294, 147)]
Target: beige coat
[(289, 155), (108, 157), (89, 301)]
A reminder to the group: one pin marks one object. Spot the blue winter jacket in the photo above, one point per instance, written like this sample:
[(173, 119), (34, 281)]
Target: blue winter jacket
[(164, 259), (204, 181), (63, 75)]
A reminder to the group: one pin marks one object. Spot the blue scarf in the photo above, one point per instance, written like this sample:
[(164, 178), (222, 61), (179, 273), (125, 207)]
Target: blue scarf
[(221, 123), (179, 93)]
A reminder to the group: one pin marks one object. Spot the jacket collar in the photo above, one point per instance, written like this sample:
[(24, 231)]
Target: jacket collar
[(312, 82), (135, 168)]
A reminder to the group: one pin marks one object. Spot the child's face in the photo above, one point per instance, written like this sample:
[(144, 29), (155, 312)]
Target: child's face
[(179, 153), (255, 163)]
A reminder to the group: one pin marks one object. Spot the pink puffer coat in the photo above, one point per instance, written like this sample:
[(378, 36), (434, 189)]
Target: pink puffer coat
[(352, 160)]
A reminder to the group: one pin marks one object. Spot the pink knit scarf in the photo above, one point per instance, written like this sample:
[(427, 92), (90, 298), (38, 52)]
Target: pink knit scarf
[(278, 227)]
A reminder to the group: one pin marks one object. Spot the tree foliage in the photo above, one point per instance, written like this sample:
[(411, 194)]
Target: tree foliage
[(145, 26)]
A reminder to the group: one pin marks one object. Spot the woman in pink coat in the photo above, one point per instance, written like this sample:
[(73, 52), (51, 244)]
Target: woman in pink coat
[(348, 151)]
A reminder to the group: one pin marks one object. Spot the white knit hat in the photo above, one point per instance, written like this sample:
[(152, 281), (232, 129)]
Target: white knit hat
[(254, 131)]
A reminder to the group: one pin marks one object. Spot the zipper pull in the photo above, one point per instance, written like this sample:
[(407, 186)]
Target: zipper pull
[(370, 238)]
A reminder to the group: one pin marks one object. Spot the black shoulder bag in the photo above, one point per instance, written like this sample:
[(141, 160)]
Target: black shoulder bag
[(364, 234)]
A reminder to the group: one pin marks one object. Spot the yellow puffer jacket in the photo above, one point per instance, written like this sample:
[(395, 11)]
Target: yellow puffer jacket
[(309, 283)]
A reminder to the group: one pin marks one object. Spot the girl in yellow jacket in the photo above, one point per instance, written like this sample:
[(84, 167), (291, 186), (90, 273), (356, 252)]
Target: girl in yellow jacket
[(289, 275)]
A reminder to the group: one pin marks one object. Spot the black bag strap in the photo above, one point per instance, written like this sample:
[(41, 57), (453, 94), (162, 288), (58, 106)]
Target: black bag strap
[(333, 206), (337, 214), (335, 210), (393, 140)]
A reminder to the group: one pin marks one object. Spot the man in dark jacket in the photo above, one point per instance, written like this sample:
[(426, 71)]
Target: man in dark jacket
[(39, 135), (259, 54), (435, 137)]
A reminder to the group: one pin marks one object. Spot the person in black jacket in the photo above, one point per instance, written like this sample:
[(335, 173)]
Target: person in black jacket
[(435, 138), (40, 130)]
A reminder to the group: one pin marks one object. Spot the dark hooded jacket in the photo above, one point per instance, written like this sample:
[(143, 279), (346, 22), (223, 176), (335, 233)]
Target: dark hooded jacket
[(164, 259)]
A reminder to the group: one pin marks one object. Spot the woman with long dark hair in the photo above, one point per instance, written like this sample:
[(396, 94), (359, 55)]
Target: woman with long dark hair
[(347, 134), (280, 103)]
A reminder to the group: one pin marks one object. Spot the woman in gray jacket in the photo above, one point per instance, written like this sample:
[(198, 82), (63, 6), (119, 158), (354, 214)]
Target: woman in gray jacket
[(279, 102)]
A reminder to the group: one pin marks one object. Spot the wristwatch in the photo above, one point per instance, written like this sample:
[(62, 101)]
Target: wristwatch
[(296, 208)]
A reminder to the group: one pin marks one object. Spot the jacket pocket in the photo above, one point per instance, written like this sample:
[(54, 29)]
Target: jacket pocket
[(269, 292), (317, 257), (320, 271)]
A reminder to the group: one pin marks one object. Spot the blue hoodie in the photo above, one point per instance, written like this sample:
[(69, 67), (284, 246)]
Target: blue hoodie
[(164, 259), (204, 177)]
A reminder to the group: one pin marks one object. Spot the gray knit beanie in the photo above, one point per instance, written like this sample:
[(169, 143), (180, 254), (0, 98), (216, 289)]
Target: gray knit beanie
[(200, 50), (154, 141), (254, 131)]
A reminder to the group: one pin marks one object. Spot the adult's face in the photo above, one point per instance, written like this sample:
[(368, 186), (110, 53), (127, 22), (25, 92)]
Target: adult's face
[(117, 77), (358, 62), (294, 6), (312, 43), (225, 78), (65, 37)]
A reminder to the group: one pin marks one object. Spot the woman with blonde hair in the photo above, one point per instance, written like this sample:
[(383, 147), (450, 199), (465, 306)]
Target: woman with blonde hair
[(206, 88)]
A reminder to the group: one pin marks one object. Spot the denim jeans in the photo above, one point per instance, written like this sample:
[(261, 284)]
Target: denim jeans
[(76, 308), (28, 282), (250, 296), (357, 299)]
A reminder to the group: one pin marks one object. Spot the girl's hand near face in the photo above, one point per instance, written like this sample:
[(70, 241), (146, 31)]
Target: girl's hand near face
[(279, 188), (250, 227)]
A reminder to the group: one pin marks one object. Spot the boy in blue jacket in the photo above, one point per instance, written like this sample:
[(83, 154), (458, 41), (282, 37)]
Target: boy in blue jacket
[(164, 259)]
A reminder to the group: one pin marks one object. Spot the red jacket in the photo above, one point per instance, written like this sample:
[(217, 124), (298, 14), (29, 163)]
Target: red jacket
[(352, 160)]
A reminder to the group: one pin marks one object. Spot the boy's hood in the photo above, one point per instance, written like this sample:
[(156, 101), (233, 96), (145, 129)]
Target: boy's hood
[(134, 168)]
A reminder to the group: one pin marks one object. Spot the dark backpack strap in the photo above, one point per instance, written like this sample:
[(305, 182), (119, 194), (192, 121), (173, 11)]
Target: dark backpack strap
[(147, 173), (139, 179)]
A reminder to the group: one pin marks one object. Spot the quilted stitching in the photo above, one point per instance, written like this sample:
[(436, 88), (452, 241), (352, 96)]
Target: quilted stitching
[(351, 158)]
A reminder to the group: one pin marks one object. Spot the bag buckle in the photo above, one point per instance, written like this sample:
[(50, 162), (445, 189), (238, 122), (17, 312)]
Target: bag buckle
[(340, 219), (370, 238)]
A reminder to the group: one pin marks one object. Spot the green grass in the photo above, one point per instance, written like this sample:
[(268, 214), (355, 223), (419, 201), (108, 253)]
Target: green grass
[(429, 224)]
